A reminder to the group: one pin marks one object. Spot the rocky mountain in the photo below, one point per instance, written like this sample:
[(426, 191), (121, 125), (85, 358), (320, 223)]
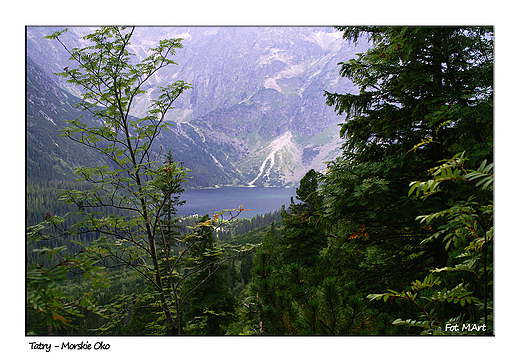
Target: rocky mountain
[(51, 158), (48, 155), (256, 114)]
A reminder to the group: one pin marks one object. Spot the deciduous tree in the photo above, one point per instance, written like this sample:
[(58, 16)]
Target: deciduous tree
[(139, 185)]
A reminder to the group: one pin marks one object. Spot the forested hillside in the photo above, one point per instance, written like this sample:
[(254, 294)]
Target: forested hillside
[(393, 237)]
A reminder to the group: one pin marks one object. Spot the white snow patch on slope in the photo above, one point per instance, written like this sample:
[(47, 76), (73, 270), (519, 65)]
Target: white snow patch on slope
[(216, 161), (271, 83), (276, 145)]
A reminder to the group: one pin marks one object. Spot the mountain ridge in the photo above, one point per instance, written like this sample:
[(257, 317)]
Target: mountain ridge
[(251, 86)]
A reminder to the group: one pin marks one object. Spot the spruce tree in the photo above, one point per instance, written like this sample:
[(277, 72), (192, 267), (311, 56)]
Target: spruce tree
[(302, 239), (210, 304), (425, 94)]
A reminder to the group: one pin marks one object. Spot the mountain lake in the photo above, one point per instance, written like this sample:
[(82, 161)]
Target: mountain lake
[(259, 200)]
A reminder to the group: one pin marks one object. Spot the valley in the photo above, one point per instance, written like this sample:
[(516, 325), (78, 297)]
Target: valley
[(241, 211)]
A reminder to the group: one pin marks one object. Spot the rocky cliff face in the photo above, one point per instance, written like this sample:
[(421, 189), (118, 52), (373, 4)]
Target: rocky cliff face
[(256, 110)]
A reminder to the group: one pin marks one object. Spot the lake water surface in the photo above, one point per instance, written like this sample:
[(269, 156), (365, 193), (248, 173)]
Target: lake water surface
[(259, 200)]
